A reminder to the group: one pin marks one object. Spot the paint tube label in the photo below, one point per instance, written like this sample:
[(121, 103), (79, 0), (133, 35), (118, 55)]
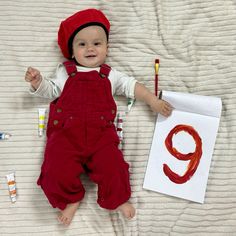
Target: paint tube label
[(130, 104), (41, 122), (11, 186)]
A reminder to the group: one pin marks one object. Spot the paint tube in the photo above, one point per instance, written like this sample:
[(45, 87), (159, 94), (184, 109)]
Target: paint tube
[(130, 104), (4, 136), (41, 122), (11, 186), (119, 129)]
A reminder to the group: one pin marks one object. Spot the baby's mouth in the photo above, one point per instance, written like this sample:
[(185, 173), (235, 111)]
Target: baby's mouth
[(90, 56)]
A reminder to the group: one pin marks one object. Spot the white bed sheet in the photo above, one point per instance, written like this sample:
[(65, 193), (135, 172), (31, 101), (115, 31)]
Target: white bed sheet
[(196, 44)]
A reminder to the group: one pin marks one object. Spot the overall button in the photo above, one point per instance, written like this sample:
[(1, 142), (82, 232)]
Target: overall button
[(102, 75), (55, 122), (59, 110), (102, 117), (113, 111)]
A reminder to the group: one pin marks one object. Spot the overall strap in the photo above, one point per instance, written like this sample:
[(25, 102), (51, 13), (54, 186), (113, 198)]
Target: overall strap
[(104, 70), (70, 67)]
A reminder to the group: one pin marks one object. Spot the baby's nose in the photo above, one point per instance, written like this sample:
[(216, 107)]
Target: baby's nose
[(90, 47)]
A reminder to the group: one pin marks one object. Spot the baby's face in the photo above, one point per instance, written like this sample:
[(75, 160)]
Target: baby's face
[(90, 46)]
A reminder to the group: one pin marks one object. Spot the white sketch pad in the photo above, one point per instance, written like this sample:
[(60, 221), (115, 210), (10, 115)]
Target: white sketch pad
[(203, 114)]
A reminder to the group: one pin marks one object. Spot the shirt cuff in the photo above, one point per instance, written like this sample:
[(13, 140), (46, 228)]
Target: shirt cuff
[(40, 91), (132, 89)]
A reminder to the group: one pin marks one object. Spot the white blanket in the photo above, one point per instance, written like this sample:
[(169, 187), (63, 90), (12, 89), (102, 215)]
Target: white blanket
[(196, 44)]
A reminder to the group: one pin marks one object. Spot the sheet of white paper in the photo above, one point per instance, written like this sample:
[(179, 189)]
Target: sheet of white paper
[(206, 126), (193, 103)]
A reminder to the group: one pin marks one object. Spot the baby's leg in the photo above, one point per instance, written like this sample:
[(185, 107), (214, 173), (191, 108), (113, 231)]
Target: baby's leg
[(109, 170), (65, 217), (60, 177)]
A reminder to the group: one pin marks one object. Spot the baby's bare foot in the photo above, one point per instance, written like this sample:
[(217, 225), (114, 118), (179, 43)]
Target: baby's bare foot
[(127, 210), (65, 217)]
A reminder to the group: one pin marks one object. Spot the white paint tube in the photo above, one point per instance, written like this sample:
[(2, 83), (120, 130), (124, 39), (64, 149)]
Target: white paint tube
[(41, 121), (4, 136), (119, 130), (11, 186), (130, 103)]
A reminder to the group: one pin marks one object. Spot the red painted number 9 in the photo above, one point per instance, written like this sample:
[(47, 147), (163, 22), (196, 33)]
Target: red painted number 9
[(194, 157)]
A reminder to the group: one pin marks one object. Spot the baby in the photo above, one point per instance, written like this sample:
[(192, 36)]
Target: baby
[(81, 136)]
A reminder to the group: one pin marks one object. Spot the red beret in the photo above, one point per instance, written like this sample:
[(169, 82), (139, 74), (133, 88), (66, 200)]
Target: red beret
[(70, 26)]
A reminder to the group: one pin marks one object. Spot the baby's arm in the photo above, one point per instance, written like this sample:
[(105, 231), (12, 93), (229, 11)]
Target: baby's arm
[(34, 77), (43, 86), (157, 105)]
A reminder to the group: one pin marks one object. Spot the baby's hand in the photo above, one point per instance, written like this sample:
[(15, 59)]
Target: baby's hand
[(33, 76), (161, 107)]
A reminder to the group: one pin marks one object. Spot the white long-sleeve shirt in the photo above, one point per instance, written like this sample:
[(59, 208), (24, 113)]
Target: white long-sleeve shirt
[(51, 87)]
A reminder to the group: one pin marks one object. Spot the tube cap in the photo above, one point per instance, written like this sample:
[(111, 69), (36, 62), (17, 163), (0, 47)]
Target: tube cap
[(13, 199)]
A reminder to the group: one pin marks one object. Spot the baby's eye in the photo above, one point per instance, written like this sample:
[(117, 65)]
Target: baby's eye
[(81, 44), (97, 43)]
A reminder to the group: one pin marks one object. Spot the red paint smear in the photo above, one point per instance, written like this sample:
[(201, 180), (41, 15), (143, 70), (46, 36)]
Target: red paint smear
[(194, 157)]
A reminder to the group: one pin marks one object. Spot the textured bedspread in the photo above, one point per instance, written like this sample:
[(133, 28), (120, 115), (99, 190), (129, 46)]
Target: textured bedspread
[(196, 44)]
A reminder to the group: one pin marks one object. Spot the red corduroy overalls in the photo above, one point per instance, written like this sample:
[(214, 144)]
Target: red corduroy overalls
[(81, 138)]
